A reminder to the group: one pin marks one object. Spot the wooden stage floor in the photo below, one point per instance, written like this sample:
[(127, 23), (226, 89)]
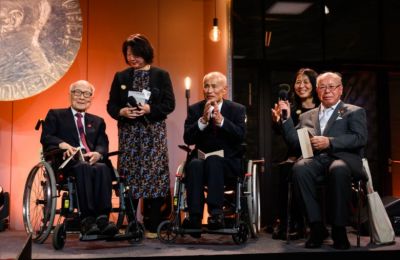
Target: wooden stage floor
[(214, 246)]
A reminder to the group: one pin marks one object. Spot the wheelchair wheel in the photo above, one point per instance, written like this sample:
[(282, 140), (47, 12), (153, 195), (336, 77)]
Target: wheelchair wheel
[(59, 237), (253, 197), (242, 235), (165, 232), (39, 202), (137, 230), (118, 210)]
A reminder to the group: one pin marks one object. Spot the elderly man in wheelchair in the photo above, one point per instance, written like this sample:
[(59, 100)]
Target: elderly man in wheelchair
[(214, 125), (72, 130)]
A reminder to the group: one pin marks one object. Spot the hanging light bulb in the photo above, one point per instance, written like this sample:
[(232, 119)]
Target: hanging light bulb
[(215, 32)]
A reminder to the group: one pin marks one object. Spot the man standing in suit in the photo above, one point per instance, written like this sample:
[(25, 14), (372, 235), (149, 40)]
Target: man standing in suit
[(213, 124), (69, 129), (339, 136)]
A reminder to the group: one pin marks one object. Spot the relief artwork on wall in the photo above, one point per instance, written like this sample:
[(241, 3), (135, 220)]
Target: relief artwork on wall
[(39, 41)]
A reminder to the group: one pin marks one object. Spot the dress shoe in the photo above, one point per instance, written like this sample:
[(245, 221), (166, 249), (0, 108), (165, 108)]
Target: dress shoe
[(89, 226), (340, 240), (318, 234), (106, 228), (194, 222), (279, 233), (216, 222)]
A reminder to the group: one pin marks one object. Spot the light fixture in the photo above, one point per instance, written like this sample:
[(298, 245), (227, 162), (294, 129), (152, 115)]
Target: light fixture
[(268, 35), (188, 82), (215, 32)]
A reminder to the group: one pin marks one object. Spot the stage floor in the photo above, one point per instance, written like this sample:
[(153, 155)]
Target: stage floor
[(221, 246)]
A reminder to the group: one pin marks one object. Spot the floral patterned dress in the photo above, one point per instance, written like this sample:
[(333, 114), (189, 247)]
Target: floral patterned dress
[(145, 161)]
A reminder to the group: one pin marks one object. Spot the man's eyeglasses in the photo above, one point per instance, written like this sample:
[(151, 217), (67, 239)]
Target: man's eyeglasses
[(323, 88), (78, 93)]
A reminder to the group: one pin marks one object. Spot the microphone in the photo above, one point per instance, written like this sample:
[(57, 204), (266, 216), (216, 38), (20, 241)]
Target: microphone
[(283, 95), (132, 102)]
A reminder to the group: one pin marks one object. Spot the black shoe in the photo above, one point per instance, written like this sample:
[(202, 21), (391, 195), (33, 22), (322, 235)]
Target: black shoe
[(216, 222), (89, 227), (194, 222), (279, 232), (296, 234), (317, 235), (106, 228), (340, 240)]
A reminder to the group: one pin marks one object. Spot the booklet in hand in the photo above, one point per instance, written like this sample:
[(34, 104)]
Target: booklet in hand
[(77, 155), (305, 143), (202, 155)]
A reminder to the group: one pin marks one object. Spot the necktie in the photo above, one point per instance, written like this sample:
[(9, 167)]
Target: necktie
[(324, 119), (81, 131)]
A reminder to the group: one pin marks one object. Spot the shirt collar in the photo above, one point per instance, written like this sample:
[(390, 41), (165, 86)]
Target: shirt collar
[(74, 112), (332, 107)]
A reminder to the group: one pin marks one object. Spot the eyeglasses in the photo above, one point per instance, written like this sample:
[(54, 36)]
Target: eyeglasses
[(323, 88), (78, 93)]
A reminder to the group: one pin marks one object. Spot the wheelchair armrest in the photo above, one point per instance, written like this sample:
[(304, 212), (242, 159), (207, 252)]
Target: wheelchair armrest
[(186, 148), (113, 153)]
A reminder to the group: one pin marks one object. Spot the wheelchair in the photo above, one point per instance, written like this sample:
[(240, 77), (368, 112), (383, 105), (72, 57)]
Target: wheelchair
[(241, 207), (50, 204)]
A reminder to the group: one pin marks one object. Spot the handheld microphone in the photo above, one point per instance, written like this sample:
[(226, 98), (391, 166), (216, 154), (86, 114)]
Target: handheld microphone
[(283, 95), (132, 102)]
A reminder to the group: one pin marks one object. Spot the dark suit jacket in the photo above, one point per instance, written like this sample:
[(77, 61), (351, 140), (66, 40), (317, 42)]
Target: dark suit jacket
[(59, 126), (229, 137), (162, 99), (346, 129)]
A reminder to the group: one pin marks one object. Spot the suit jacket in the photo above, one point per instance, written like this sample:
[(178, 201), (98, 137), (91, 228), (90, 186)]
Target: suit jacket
[(162, 99), (346, 130), (59, 126), (229, 137)]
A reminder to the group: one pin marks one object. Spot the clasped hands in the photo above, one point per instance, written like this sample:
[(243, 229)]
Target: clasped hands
[(317, 142), (90, 157), (135, 112), (211, 110)]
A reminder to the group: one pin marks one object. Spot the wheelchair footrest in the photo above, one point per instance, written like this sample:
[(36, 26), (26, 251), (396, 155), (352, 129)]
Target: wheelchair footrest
[(226, 231), (117, 237)]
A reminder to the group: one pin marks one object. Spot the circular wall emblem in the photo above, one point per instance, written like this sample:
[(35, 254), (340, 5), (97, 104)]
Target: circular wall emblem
[(39, 41)]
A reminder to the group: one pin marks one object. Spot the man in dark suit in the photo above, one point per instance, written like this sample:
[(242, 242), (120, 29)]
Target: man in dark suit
[(339, 135), (211, 125), (71, 128)]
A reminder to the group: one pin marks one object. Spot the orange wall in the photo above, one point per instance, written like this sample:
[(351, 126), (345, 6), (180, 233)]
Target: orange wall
[(178, 30)]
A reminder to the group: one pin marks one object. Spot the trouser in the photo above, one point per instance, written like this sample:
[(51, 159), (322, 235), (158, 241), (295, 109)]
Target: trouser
[(94, 188), (211, 172), (307, 174)]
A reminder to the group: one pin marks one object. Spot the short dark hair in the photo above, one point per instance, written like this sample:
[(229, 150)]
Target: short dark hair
[(140, 46)]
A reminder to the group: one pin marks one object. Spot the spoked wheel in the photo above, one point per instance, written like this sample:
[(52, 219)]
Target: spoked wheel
[(39, 202), (242, 235), (59, 237), (253, 198), (165, 232), (137, 230)]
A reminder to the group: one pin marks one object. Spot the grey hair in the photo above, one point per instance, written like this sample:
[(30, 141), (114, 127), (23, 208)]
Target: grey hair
[(334, 75), (81, 83), (217, 75)]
